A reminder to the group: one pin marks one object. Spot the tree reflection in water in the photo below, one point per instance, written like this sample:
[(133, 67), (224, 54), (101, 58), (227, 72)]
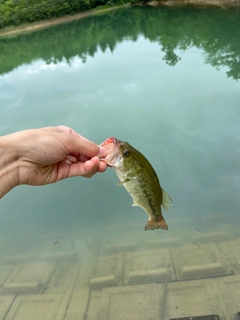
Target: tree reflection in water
[(215, 31)]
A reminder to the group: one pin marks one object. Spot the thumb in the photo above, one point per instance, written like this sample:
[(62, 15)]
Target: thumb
[(76, 144)]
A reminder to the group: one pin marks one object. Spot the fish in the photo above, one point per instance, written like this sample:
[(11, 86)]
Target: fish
[(139, 178)]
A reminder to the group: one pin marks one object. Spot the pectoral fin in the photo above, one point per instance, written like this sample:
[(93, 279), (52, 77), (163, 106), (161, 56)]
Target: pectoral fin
[(122, 182), (125, 181), (167, 202)]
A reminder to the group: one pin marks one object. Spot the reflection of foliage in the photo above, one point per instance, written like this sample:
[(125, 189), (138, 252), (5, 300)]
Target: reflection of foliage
[(170, 57), (228, 58), (214, 31)]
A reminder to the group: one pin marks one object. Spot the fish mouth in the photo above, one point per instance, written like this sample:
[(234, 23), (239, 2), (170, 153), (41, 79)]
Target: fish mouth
[(112, 146)]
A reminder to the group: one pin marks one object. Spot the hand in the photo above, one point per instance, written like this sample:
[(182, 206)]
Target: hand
[(50, 154)]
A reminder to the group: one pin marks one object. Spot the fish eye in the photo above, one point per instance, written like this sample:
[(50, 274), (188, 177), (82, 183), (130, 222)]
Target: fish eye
[(125, 153)]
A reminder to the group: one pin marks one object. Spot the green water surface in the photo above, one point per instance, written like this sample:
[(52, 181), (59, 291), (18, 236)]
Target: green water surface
[(164, 79)]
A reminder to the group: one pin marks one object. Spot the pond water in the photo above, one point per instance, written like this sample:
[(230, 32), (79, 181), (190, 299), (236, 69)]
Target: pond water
[(167, 81)]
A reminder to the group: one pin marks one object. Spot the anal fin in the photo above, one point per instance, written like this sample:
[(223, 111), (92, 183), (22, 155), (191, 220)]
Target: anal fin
[(167, 202)]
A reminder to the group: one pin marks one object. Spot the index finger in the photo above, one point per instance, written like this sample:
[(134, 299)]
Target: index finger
[(76, 144)]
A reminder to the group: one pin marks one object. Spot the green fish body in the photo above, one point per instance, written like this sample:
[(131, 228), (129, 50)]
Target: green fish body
[(139, 178)]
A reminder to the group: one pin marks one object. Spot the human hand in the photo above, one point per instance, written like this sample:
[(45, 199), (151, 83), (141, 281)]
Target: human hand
[(50, 154)]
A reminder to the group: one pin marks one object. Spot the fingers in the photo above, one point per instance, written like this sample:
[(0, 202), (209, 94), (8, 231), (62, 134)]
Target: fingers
[(86, 147), (102, 166), (71, 159), (87, 169), (77, 144), (82, 155), (91, 167)]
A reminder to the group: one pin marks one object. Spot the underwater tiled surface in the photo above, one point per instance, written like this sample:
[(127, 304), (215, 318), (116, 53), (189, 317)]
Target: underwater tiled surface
[(28, 278), (39, 307), (5, 271), (199, 261), (163, 278), (166, 301), (87, 271), (163, 243), (228, 289), (44, 249), (211, 237), (63, 277), (5, 304), (94, 305), (144, 303), (231, 251), (17, 259), (109, 271), (148, 267), (120, 247), (192, 298), (77, 307)]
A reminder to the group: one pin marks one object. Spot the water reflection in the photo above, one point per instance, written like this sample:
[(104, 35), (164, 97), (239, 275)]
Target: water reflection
[(216, 32)]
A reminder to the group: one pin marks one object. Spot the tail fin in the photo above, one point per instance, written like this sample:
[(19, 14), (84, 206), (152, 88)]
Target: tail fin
[(151, 225)]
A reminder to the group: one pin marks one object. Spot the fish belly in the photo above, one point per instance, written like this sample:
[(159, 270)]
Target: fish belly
[(149, 198), (142, 196)]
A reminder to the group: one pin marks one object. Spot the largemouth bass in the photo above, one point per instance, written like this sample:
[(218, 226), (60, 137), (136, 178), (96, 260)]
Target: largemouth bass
[(140, 180)]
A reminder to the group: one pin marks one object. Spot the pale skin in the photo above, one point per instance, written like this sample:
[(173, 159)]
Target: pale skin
[(42, 156)]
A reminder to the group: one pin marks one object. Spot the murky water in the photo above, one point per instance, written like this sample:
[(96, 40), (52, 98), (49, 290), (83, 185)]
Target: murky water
[(167, 81)]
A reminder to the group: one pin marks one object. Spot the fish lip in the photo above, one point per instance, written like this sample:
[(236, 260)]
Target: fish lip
[(116, 148), (110, 157)]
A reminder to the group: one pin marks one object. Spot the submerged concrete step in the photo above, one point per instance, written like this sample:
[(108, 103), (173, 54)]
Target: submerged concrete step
[(39, 307), (150, 266), (199, 261), (109, 271), (174, 300), (28, 278)]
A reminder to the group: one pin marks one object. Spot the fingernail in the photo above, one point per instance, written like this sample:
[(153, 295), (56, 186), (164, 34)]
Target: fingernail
[(68, 162), (102, 151)]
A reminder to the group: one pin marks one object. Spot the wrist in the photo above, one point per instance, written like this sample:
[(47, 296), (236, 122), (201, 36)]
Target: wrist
[(9, 164)]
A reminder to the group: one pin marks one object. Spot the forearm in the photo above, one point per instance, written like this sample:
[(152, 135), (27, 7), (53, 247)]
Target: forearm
[(8, 165)]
